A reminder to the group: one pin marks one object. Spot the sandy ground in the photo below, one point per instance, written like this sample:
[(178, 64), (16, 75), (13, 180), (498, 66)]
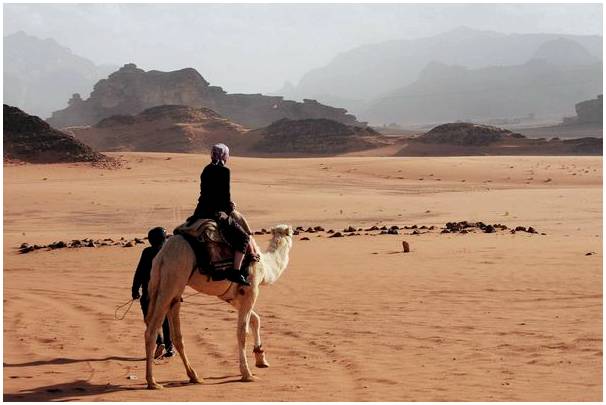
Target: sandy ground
[(476, 317)]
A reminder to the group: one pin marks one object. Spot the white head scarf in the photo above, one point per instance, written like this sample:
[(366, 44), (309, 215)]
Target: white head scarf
[(219, 153)]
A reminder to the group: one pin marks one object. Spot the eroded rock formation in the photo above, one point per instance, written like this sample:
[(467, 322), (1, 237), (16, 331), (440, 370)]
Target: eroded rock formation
[(131, 90)]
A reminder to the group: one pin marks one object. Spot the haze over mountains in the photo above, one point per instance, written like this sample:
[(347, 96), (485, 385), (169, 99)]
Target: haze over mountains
[(463, 74), (363, 77), (40, 74)]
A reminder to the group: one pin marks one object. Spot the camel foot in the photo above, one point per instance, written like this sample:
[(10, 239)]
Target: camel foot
[(154, 386), (249, 378), (196, 380), (262, 364)]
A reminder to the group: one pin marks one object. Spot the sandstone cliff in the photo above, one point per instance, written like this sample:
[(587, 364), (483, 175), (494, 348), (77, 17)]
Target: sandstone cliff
[(131, 90)]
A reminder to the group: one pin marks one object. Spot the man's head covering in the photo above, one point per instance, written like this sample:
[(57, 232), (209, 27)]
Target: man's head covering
[(219, 153)]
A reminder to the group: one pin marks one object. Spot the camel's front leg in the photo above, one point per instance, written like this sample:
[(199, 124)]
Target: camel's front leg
[(260, 360), (243, 319), (245, 306)]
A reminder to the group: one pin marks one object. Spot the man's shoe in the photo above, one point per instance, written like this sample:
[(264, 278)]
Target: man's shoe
[(170, 352), (237, 277), (159, 351)]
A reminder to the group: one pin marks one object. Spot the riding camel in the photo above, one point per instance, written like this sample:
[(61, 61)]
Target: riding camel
[(174, 267)]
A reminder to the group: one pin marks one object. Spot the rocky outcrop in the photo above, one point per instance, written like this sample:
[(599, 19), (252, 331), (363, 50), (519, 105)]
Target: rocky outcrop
[(131, 90), (465, 139), (315, 136), (166, 128), (590, 111), (466, 134), (27, 138)]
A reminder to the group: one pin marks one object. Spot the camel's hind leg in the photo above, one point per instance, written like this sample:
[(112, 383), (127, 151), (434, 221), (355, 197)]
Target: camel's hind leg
[(260, 360), (154, 321), (175, 331)]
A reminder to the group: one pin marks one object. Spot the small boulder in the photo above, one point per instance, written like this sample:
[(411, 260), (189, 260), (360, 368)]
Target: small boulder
[(304, 238), (57, 245), (25, 248), (336, 235)]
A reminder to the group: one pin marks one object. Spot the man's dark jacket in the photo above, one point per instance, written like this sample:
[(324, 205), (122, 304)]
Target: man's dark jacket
[(142, 274), (214, 191)]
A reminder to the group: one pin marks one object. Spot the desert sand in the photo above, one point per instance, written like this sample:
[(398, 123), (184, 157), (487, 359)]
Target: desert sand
[(475, 317)]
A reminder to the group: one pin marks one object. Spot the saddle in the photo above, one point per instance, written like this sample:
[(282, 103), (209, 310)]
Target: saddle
[(213, 253)]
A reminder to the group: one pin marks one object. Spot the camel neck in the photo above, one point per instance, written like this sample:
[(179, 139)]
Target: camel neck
[(276, 259)]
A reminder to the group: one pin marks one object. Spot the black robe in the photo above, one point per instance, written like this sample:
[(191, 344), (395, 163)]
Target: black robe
[(214, 197), (214, 191)]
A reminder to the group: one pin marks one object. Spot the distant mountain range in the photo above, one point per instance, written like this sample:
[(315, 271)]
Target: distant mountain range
[(451, 93), (40, 75), (463, 74), (361, 79)]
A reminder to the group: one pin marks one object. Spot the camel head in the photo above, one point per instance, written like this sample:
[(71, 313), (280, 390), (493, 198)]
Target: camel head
[(282, 234), (275, 259)]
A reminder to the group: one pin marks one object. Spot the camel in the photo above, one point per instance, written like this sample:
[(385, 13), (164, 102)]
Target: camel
[(174, 268)]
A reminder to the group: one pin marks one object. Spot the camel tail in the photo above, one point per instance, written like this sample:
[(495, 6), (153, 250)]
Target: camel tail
[(154, 283)]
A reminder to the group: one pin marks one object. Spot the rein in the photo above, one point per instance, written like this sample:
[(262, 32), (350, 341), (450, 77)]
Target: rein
[(125, 312)]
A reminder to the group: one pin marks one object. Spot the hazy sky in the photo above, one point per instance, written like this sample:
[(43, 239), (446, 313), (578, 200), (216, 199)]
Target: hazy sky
[(257, 47)]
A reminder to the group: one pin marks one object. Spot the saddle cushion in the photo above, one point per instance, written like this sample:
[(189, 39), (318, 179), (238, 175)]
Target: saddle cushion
[(204, 230), (213, 253)]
